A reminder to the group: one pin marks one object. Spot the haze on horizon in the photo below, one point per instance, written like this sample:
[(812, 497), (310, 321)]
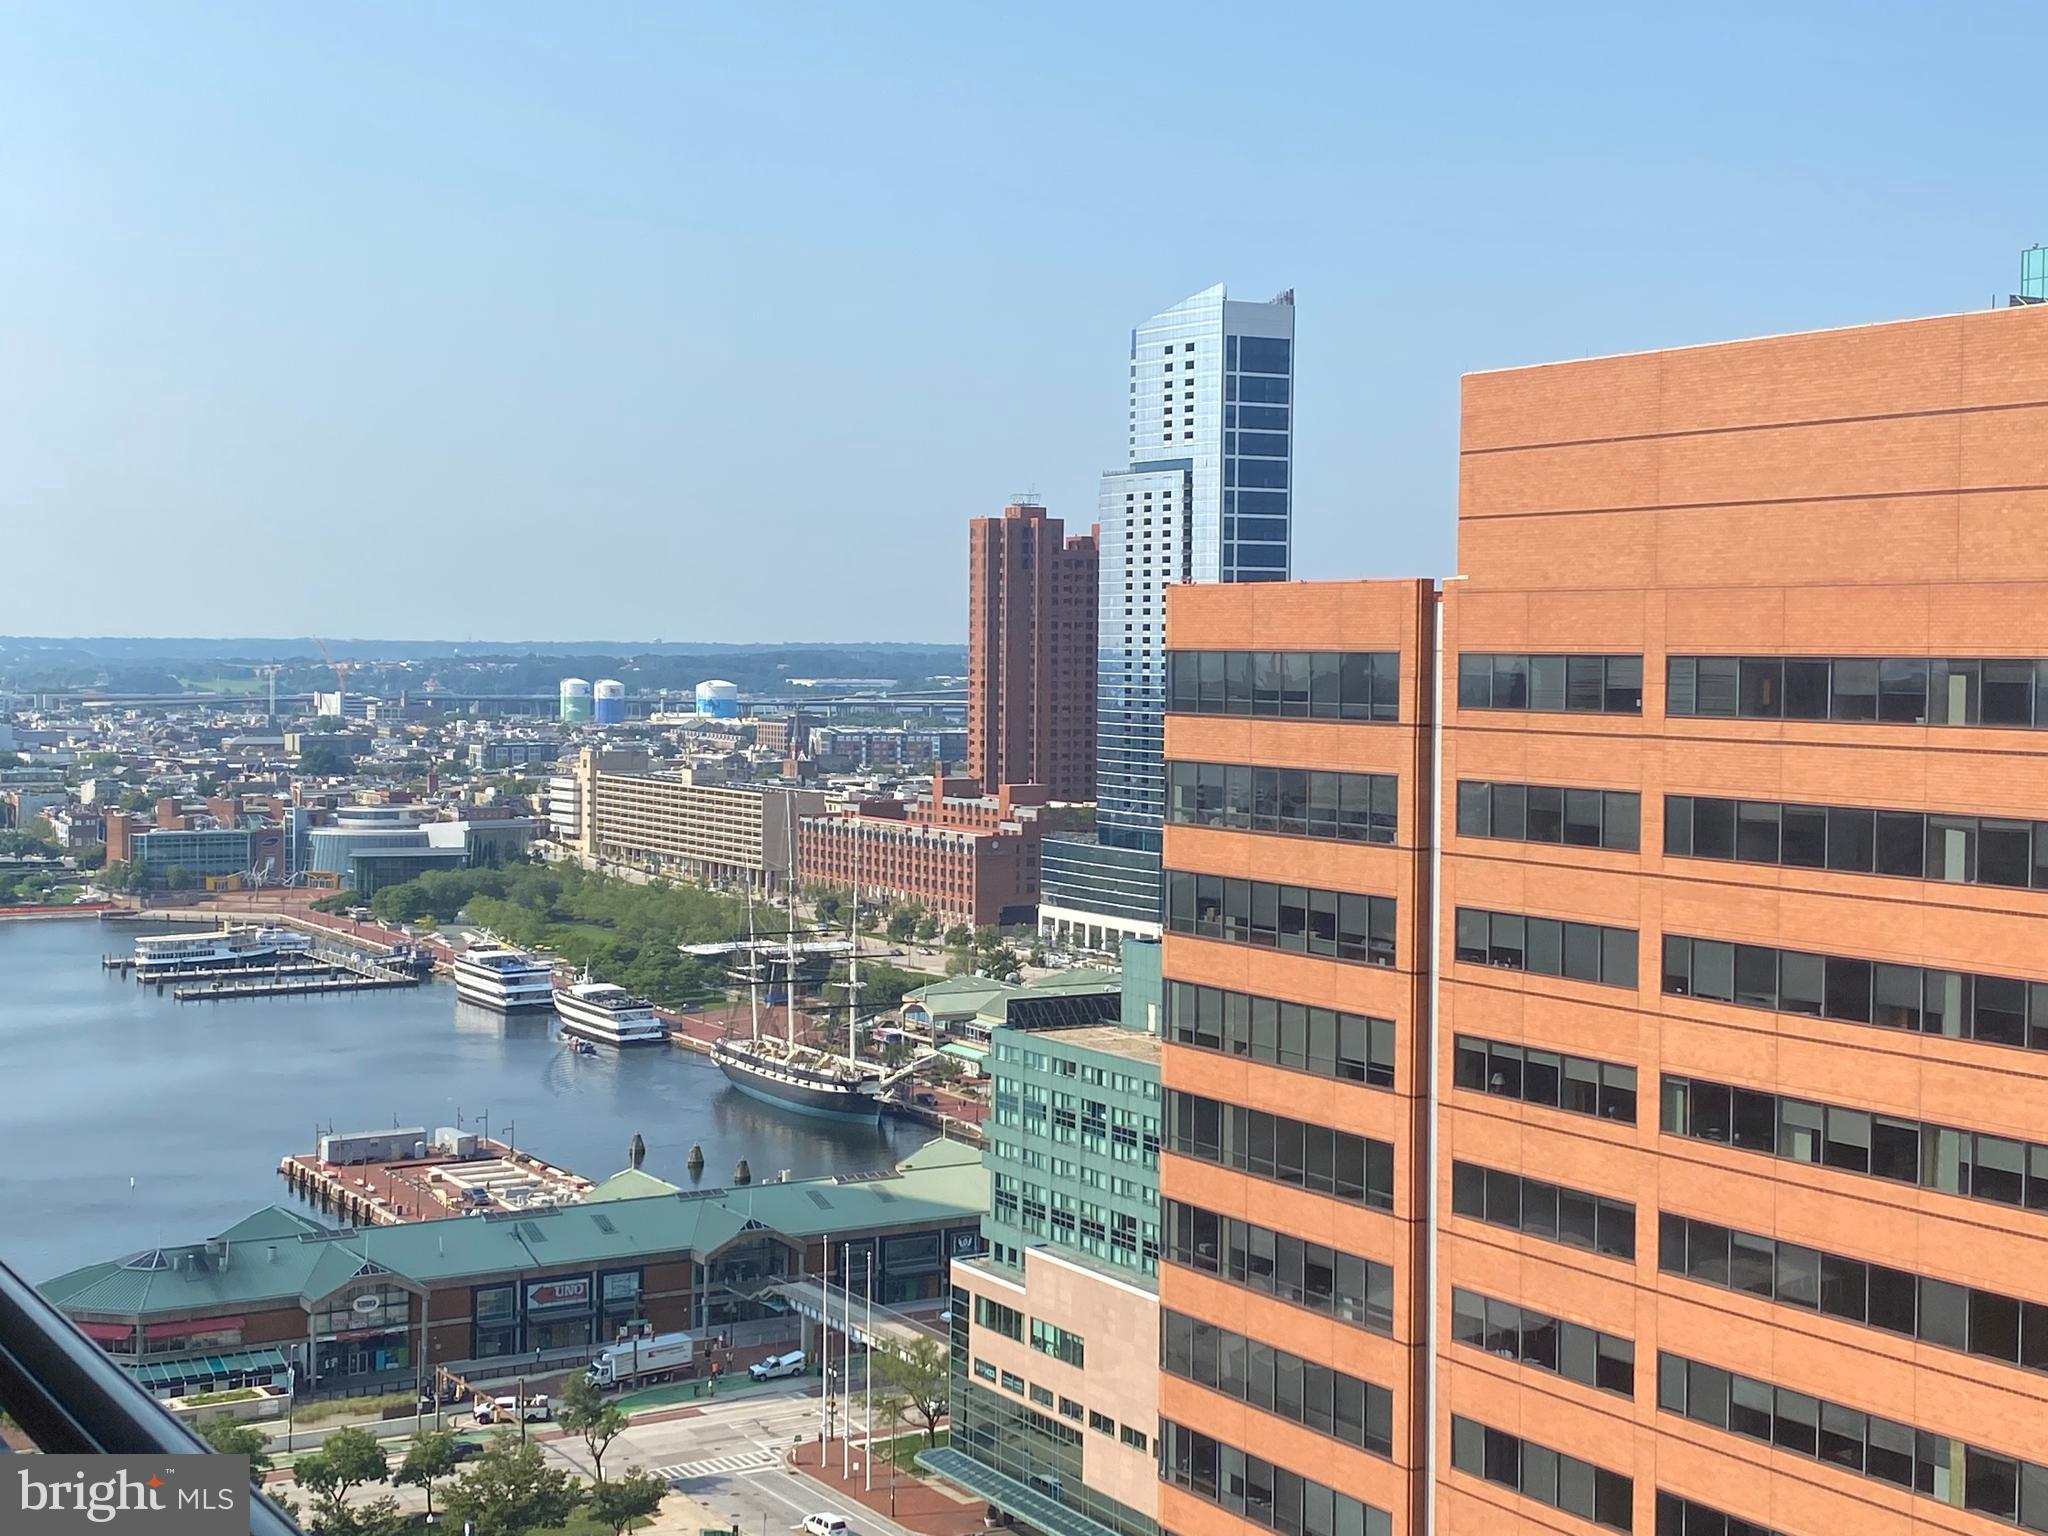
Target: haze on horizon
[(523, 319)]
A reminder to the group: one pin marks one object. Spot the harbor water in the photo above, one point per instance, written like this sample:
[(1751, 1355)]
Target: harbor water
[(104, 1082)]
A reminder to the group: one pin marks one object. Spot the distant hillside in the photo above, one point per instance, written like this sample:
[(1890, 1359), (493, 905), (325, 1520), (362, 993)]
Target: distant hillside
[(124, 665)]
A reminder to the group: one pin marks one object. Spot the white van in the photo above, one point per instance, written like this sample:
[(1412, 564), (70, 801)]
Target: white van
[(778, 1366), (825, 1524)]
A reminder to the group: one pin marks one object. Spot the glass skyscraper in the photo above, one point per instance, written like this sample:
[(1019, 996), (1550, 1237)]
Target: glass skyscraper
[(1205, 495)]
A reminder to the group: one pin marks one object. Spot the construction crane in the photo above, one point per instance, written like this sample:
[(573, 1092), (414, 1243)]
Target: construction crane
[(340, 675)]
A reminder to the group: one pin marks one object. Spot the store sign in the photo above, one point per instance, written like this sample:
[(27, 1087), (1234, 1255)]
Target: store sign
[(368, 1304), (551, 1295), (966, 1242), (622, 1287)]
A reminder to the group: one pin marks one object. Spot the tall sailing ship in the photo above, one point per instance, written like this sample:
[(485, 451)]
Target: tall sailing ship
[(784, 1073)]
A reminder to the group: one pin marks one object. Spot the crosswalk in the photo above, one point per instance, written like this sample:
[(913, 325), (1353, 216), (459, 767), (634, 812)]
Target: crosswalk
[(718, 1466)]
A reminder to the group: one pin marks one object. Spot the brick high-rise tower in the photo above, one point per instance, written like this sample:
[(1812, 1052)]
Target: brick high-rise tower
[(1031, 653)]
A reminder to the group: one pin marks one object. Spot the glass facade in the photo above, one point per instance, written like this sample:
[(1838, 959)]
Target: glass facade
[(1073, 1150), (1206, 496)]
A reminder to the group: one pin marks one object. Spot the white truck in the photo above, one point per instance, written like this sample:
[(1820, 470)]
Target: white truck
[(510, 1410), (638, 1361)]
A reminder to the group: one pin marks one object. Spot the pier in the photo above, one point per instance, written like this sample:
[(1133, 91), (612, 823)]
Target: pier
[(220, 991), (484, 1175)]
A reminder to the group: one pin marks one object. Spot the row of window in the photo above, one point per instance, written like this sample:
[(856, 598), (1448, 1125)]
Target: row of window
[(1580, 685), (1256, 1490), (1911, 690), (1998, 1010), (1528, 1337), (2001, 1169), (1274, 1381), (1958, 1317), (1938, 1467), (1546, 946), (1050, 1339), (1915, 845), (1349, 1047), (1339, 925), (1537, 1472), (1550, 1211), (1312, 1157), (997, 1318), (1312, 1275), (1677, 1516), (1301, 802), (1305, 685), (1579, 1085), (1547, 813)]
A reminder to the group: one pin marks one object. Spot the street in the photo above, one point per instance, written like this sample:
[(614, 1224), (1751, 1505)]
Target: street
[(729, 1457)]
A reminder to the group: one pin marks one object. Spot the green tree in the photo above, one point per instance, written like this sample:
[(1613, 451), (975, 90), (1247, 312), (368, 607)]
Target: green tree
[(927, 927), (587, 1412), (429, 1455), (959, 936), (93, 857), (510, 1490), (325, 757), (231, 1437), (378, 1517), (178, 878), (618, 1503), (920, 1376), (347, 1459), (901, 925)]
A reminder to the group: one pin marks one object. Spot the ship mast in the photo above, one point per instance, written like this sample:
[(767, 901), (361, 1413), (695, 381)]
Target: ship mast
[(753, 967), (789, 948)]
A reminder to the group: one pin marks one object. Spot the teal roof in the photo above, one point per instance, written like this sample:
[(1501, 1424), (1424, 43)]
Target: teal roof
[(982, 997), (958, 997), (276, 1254)]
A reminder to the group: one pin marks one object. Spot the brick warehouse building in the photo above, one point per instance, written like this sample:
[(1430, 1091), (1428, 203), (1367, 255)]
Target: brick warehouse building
[(1732, 1218), (1031, 621), (963, 856)]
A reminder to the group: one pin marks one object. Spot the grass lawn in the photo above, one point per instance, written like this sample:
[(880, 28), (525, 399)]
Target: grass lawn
[(580, 1524), (904, 1448)]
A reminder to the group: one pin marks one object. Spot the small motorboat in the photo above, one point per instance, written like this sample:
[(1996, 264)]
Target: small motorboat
[(577, 1047)]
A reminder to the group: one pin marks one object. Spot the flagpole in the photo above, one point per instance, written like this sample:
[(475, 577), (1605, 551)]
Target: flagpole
[(846, 1375), (867, 1370), (825, 1350)]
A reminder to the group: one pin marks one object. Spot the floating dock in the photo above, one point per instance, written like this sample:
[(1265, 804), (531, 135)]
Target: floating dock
[(220, 992)]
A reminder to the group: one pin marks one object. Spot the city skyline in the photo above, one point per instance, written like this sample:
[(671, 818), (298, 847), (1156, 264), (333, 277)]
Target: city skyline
[(357, 306)]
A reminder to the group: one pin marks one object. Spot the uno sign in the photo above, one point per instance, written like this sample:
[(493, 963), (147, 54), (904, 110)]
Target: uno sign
[(546, 1294)]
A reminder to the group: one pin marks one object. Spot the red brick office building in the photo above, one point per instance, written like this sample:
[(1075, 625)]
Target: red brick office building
[(1031, 653)]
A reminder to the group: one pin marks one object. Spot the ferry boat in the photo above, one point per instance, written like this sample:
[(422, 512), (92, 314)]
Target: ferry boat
[(504, 979), (174, 954), (605, 1014)]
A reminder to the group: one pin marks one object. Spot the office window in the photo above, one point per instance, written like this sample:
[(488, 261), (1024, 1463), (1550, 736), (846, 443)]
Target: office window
[(1328, 1401), (1512, 1332), (1536, 1208), (1994, 1484), (1546, 946), (1883, 690), (1578, 1084), (1347, 807), (1337, 925), (1351, 1167), (1997, 1169), (1994, 1010), (1535, 813), (1324, 685), (1347, 1047), (1354, 1290), (1537, 1472), (1551, 684)]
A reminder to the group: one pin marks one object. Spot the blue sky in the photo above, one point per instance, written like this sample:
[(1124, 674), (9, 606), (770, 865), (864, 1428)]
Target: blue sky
[(717, 322)]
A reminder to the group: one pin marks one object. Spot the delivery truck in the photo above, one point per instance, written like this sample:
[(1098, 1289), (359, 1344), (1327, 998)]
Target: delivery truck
[(640, 1361)]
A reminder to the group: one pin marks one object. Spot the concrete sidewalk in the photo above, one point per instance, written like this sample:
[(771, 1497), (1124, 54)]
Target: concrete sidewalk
[(927, 1508)]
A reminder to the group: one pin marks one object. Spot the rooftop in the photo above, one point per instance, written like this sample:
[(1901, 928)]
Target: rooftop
[(1109, 1039)]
